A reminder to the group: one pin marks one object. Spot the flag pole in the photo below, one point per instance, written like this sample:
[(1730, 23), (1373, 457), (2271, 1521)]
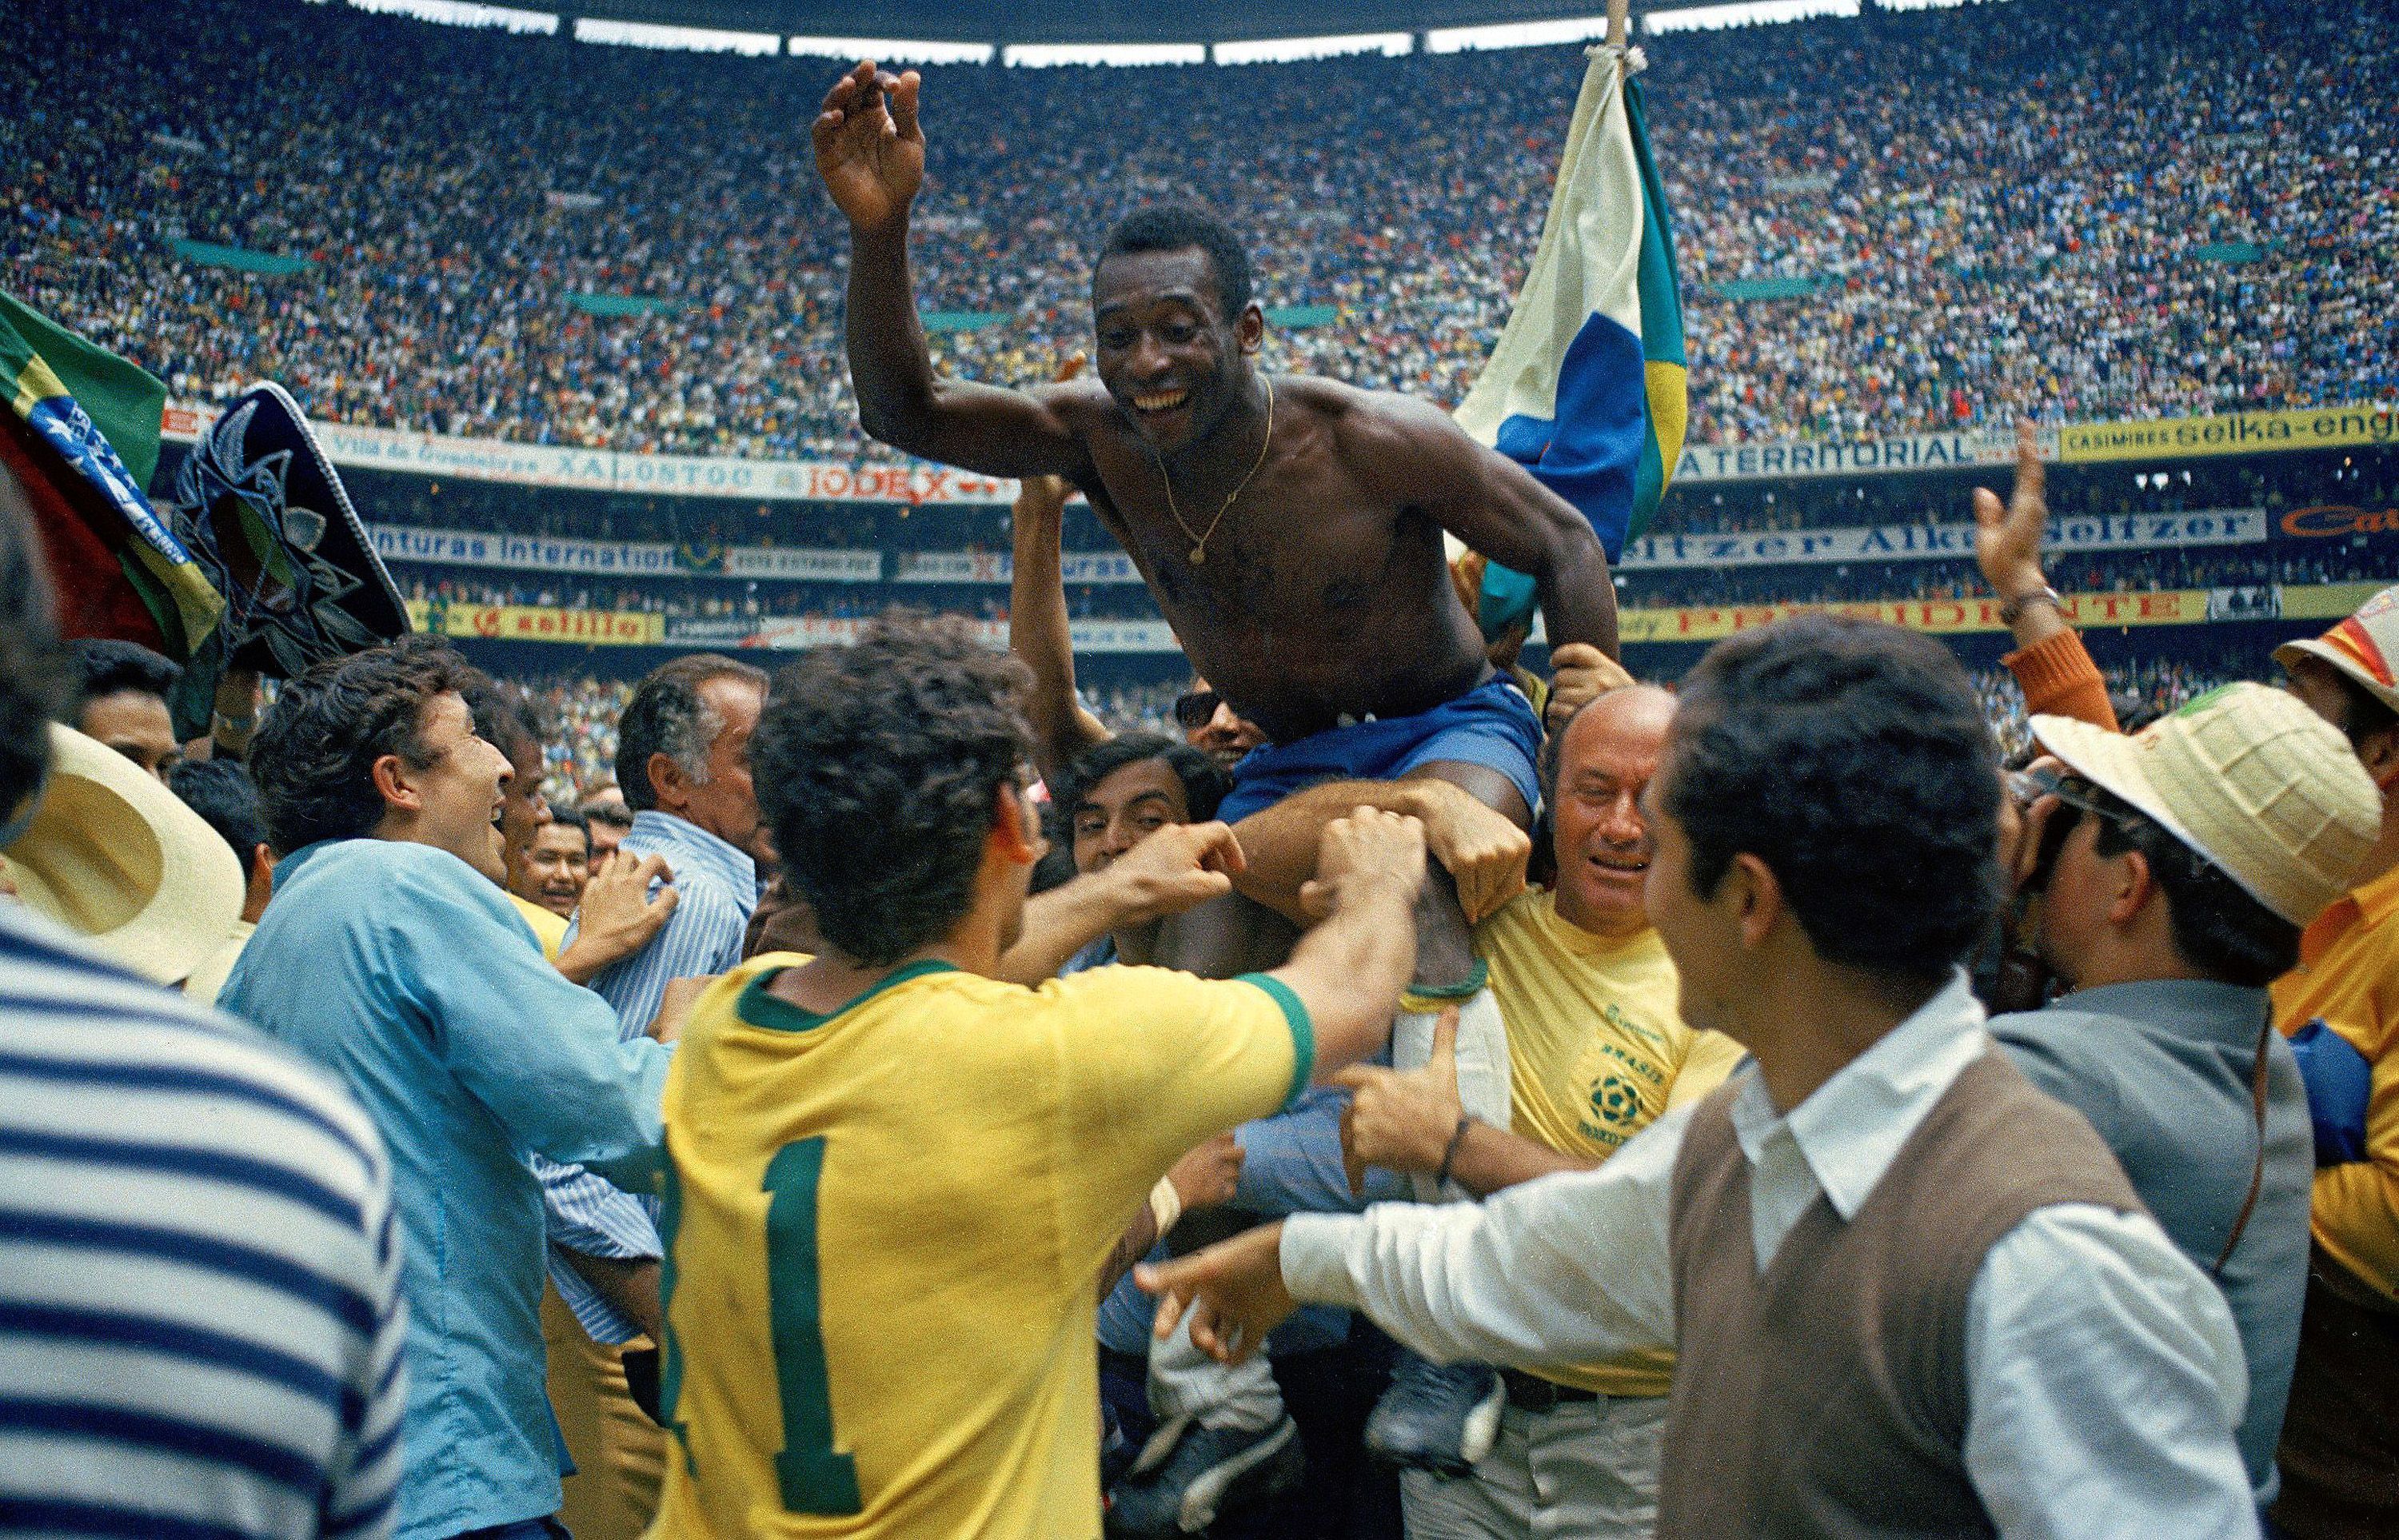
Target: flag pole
[(1620, 27)]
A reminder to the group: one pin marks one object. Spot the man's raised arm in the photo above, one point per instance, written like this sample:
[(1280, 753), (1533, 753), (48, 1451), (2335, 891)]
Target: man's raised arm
[(870, 153), (1494, 506)]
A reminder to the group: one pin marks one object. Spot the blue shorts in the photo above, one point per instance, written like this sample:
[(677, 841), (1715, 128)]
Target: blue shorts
[(1492, 725)]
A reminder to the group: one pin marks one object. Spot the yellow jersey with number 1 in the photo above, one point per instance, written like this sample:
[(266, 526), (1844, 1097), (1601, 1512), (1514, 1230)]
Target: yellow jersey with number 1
[(884, 1228)]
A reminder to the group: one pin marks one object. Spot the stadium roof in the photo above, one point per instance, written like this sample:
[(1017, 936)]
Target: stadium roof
[(1092, 21)]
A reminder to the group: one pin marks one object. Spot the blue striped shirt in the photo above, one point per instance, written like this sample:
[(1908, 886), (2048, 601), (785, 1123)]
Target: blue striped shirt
[(716, 887), (199, 1326)]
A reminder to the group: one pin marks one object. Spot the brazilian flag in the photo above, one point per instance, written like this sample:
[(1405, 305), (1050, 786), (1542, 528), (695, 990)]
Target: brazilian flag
[(81, 435), (1587, 387)]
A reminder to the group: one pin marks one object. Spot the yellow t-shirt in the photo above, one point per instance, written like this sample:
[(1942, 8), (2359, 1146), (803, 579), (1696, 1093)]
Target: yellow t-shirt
[(2348, 975), (885, 1226), (548, 927), (1596, 1052)]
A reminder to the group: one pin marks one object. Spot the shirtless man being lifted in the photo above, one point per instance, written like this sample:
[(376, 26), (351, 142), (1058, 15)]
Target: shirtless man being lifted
[(1289, 528)]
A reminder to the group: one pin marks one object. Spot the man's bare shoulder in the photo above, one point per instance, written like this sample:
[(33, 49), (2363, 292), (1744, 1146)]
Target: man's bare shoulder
[(1377, 430), (1084, 404)]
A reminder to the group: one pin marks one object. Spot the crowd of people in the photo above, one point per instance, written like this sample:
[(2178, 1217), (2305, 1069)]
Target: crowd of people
[(2130, 208), (767, 915)]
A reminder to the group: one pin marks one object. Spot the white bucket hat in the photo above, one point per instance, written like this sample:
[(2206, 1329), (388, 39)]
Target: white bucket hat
[(114, 855), (2250, 778)]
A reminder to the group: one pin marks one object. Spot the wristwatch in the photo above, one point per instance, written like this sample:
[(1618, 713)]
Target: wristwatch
[(2012, 610)]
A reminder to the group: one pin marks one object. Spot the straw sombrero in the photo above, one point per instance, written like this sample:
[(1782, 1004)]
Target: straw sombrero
[(2250, 778), (114, 855)]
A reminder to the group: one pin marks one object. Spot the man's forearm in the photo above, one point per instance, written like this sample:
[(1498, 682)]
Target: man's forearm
[(1491, 1159), (1062, 922), (1280, 842), (1471, 1282), (1579, 595), (629, 1284), (890, 368), (1349, 971), (1040, 636)]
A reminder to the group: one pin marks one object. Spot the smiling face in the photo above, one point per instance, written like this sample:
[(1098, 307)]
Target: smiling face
[(459, 795), (556, 867), (1174, 363), (1607, 760), (1124, 807)]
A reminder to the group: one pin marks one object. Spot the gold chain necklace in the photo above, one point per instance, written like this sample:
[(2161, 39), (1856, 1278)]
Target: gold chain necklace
[(1199, 538)]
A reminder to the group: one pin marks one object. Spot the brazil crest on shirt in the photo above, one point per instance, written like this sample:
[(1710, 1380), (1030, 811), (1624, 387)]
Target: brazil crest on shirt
[(1586, 387)]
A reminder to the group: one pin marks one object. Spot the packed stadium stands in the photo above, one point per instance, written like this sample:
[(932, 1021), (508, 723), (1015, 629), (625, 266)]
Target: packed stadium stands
[(2084, 208)]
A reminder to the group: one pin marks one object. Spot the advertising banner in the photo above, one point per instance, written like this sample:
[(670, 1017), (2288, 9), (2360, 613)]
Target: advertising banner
[(527, 552), (1941, 616), (537, 623), (1934, 542), (2327, 601), (2337, 522), (823, 566), (2229, 433), (1789, 457), (999, 566), (1088, 636), (919, 484)]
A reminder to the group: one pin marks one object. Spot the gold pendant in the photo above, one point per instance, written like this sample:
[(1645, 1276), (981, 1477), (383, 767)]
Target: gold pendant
[(1198, 556)]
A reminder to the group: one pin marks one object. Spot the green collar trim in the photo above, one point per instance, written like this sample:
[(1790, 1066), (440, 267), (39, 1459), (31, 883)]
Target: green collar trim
[(759, 1008)]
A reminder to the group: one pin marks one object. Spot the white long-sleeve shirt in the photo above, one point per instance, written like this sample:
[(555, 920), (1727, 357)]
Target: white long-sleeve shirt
[(2104, 1374)]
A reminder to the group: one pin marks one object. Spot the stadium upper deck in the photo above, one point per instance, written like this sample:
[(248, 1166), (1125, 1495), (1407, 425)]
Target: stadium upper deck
[(2089, 208)]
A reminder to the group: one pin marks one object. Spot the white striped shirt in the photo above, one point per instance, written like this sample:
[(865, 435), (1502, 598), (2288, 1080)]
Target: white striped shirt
[(716, 889), (200, 1325)]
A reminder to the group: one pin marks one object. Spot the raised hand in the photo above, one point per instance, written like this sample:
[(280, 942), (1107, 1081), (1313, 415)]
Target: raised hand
[(1480, 847), (1176, 868), (1233, 1290), (1402, 1120), (871, 155), (2007, 537), (1369, 847)]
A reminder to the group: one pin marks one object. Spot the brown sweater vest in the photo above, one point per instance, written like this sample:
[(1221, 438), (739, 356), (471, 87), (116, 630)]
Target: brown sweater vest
[(1827, 1398)]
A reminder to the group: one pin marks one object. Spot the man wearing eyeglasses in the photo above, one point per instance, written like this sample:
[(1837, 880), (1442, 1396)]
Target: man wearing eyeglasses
[(2168, 904)]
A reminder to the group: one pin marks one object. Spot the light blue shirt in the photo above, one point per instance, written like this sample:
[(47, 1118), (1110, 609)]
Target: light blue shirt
[(410, 975), (2103, 1372), (717, 891)]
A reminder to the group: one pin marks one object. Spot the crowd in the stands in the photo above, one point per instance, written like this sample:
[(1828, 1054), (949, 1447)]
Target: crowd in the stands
[(2190, 209)]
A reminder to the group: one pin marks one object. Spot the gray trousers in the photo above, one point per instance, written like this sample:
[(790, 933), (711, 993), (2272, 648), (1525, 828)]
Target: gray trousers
[(1584, 1470)]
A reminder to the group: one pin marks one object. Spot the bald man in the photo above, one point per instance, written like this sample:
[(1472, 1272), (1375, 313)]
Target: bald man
[(1596, 1051)]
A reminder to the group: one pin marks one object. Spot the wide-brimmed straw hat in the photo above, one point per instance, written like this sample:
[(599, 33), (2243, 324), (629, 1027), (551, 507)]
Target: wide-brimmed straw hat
[(112, 854), (2250, 778), (2365, 647)]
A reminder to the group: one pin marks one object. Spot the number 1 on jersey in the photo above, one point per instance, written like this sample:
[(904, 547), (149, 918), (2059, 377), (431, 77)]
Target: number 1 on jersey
[(815, 1477)]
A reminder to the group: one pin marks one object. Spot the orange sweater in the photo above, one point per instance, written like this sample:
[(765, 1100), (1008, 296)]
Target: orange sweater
[(2059, 680)]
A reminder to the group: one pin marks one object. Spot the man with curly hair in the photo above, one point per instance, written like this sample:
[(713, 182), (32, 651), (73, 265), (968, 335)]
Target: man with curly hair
[(894, 1173)]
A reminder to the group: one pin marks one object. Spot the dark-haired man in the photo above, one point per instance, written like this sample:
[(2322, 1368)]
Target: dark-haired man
[(2168, 905), (894, 1175), (1909, 1293), (392, 955), (557, 864), (1291, 530), (125, 691)]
